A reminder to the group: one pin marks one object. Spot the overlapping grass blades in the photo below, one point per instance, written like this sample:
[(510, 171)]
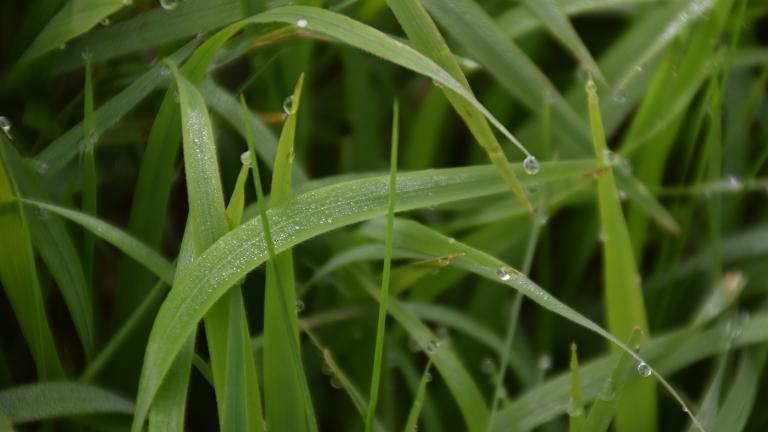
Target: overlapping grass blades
[(624, 303)]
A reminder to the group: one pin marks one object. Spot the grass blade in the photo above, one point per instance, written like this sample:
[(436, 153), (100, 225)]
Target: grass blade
[(43, 401), (624, 303), (412, 423), (423, 32), (556, 21), (576, 416), (384, 295), (90, 186), (75, 17), (18, 274)]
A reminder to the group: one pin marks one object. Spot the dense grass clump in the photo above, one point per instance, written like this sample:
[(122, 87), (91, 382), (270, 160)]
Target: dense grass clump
[(443, 215)]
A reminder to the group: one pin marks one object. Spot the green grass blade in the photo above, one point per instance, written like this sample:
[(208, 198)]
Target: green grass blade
[(75, 17), (129, 245), (460, 383), (43, 401), (90, 186), (412, 422), (226, 325), (576, 416), (475, 30), (624, 303), (743, 394), (5, 423), (54, 244), (236, 203), (286, 392), (150, 29), (18, 274), (168, 409), (423, 32), (609, 399), (557, 23), (66, 147), (638, 194), (384, 295)]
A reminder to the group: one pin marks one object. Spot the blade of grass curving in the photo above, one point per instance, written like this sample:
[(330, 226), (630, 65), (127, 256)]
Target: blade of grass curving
[(43, 401), (75, 17), (129, 245), (608, 400), (423, 32), (463, 389), (54, 244), (624, 303), (414, 236), (412, 422), (472, 27), (307, 215), (711, 400), (384, 296), (576, 416), (90, 187), (226, 326), (556, 21), (18, 274), (168, 409), (740, 400), (638, 193), (66, 147)]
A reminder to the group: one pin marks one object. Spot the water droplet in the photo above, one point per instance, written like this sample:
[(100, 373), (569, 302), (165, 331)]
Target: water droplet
[(336, 382), (60, 44), (127, 2), (106, 21), (545, 362), (245, 158), (86, 55), (165, 71), (606, 391), (733, 328), (591, 87), (428, 377), (41, 213), (531, 165), (93, 138), (299, 306), (288, 105), (504, 273), (574, 409), (619, 95), (639, 68), (5, 125), (540, 216), (42, 167), (302, 23), (602, 236), (432, 346), (734, 183), (487, 366), (622, 195), (610, 158), (644, 370), (169, 4)]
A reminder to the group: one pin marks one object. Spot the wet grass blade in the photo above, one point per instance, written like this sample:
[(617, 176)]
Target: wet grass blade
[(412, 422), (384, 294), (43, 401), (90, 186), (557, 23), (18, 274), (234, 373), (286, 392), (75, 17), (608, 400), (423, 32), (624, 303), (576, 416)]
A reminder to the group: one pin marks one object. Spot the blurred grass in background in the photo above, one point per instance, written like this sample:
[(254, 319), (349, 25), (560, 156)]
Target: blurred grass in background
[(605, 159)]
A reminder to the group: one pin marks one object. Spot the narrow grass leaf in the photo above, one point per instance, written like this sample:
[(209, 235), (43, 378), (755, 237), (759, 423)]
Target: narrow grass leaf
[(75, 18), (90, 186), (44, 401), (384, 295), (576, 413), (18, 274), (624, 303), (127, 244), (741, 398), (412, 422), (423, 32), (557, 23)]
